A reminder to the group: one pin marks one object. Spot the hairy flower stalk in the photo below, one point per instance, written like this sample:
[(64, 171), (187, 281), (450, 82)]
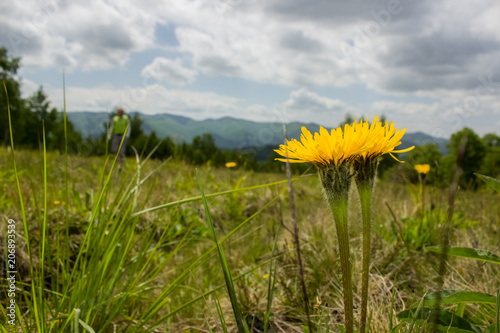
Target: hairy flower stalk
[(333, 153), (336, 184), (384, 139), (365, 181)]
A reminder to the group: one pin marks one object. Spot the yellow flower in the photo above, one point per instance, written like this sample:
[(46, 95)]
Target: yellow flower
[(383, 138), (57, 202), (266, 276), (230, 164), (325, 149), (332, 149), (422, 168)]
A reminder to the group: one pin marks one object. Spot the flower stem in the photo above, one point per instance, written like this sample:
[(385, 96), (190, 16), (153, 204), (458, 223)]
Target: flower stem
[(365, 179), (336, 184), (365, 196), (338, 205)]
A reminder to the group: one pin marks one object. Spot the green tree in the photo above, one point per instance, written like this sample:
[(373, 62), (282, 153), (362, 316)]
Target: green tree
[(57, 141), (40, 117), (491, 140), (8, 70), (391, 169), (203, 148), (474, 153), (491, 162), (349, 119)]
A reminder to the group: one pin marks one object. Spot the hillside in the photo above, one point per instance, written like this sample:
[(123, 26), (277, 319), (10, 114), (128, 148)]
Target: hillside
[(230, 133)]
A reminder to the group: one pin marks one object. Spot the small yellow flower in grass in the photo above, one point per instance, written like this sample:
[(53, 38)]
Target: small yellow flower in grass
[(266, 276), (57, 202), (422, 168), (230, 164)]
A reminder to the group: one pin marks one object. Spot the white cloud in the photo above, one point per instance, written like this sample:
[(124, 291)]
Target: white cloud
[(303, 100), (92, 35), (306, 106), (170, 71), (28, 88), (405, 108), (428, 49), (294, 43), (151, 99)]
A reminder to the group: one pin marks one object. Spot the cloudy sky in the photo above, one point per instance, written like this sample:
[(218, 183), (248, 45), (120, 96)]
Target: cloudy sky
[(430, 65)]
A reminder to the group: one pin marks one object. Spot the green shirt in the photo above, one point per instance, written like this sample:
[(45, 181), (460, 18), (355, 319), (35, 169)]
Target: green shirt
[(120, 124)]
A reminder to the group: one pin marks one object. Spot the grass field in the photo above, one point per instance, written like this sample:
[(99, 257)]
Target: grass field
[(100, 259)]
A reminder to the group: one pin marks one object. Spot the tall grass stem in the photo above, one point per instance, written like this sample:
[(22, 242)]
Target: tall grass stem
[(297, 240), (447, 230), (225, 268)]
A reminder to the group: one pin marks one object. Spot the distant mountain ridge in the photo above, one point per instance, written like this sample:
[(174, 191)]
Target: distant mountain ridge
[(229, 133)]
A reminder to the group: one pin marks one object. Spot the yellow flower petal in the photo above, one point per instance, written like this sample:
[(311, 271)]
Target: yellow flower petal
[(422, 168), (361, 140)]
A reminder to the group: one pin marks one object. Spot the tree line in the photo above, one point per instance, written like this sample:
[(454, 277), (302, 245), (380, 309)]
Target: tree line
[(32, 116), (29, 116)]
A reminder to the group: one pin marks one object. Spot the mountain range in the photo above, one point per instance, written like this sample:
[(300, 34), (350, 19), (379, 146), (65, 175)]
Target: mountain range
[(229, 132)]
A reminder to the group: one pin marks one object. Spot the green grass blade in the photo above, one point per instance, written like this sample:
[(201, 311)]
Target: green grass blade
[(84, 246), (161, 300), (446, 322), (271, 284), (243, 189), (35, 310), (219, 287), (466, 252), (498, 313), (457, 297), (76, 321), (491, 329), (87, 327), (460, 309), (66, 180), (44, 229), (414, 319), (224, 264), (221, 315), (492, 182)]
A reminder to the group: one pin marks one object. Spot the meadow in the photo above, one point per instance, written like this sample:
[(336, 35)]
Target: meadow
[(109, 247)]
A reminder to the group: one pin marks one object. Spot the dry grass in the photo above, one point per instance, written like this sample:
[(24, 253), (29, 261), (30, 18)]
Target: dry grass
[(399, 260)]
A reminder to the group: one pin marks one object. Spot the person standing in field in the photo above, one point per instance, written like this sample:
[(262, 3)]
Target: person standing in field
[(119, 129)]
